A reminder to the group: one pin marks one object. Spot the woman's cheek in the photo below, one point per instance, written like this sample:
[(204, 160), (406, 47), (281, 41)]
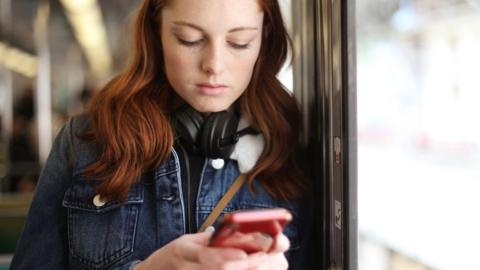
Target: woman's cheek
[(179, 66)]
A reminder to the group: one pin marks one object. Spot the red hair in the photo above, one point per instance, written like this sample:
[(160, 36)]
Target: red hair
[(130, 115)]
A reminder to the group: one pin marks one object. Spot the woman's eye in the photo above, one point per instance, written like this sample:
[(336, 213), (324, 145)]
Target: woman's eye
[(239, 46), (189, 43)]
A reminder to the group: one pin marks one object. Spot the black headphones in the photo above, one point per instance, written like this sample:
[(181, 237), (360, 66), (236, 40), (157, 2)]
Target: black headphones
[(215, 136)]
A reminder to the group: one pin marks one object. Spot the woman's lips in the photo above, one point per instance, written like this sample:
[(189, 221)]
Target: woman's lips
[(209, 89)]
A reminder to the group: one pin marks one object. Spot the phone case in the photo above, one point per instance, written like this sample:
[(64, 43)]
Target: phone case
[(251, 230)]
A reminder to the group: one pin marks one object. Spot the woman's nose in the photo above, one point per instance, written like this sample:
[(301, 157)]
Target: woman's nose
[(213, 62)]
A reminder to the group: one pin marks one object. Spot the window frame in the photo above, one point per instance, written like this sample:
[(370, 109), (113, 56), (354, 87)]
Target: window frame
[(324, 68)]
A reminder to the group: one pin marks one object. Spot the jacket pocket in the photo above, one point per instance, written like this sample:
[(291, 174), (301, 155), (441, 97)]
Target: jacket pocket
[(100, 233)]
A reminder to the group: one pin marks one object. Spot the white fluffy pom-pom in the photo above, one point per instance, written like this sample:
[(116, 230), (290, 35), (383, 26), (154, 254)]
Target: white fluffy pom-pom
[(247, 151)]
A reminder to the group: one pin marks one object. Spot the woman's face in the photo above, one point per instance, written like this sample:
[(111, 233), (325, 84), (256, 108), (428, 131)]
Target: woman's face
[(210, 48)]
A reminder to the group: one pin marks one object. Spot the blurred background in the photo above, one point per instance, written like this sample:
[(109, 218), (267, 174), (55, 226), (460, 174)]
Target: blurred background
[(418, 102), (53, 56), (418, 133)]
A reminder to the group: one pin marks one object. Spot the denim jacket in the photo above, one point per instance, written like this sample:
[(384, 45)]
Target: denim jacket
[(66, 229)]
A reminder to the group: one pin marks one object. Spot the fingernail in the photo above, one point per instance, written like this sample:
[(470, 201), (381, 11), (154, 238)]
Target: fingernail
[(261, 255), (210, 229)]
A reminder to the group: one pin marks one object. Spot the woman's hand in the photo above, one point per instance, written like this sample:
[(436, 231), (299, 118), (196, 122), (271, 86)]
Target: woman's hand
[(191, 251), (275, 258)]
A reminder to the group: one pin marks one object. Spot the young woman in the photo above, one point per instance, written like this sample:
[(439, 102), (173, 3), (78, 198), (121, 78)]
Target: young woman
[(128, 184)]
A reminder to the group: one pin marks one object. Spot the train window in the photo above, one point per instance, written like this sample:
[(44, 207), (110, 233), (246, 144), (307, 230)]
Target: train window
[(286, 74), (419, 138)]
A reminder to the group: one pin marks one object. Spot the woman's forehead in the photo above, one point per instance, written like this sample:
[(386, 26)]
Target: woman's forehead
[(210, 3), (214, 13)]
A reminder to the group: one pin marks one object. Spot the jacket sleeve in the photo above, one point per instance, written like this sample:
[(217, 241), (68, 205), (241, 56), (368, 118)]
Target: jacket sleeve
[(43, 243)]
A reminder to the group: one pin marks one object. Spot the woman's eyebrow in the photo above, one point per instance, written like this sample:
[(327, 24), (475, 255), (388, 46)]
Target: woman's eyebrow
[(191, 25), (237, 29), (196, 27)]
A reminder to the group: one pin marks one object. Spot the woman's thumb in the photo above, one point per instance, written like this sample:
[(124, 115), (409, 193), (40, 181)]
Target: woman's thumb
[(201, 237)]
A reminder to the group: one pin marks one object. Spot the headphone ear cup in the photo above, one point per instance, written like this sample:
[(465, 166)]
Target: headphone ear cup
[(188, 127), (218, 128)]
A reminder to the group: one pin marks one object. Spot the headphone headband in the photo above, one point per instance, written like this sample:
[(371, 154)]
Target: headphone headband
[(215, 136)]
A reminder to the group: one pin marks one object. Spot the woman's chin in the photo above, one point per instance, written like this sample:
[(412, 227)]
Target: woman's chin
[(212, 108)]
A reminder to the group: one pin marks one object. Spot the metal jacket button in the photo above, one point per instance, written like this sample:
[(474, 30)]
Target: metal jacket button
[(168, 198), (97, 201), (218, 163)]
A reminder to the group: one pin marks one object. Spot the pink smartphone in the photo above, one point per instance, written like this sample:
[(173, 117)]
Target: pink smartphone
[(251, 230)]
